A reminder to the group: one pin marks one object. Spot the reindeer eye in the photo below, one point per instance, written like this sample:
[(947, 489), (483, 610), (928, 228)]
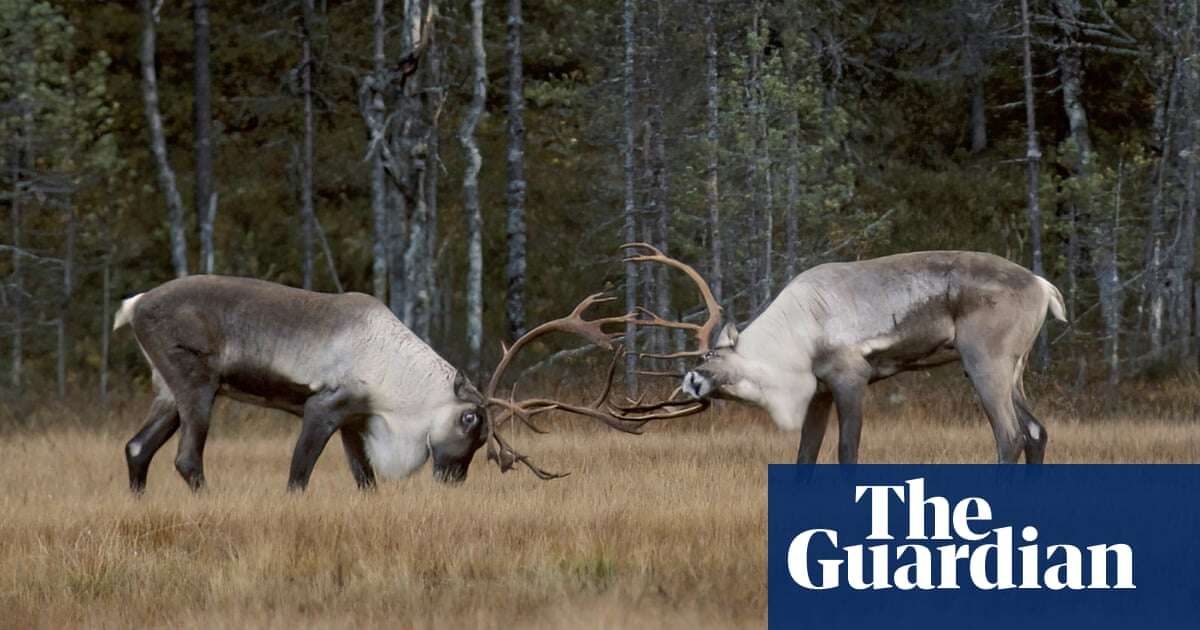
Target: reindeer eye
[(469, 420), (709, 355)]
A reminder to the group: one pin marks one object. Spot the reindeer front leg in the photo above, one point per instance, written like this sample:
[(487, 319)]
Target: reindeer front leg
[(354, 443), (847, 380), (798, 405), (813, 433), (324, 413)]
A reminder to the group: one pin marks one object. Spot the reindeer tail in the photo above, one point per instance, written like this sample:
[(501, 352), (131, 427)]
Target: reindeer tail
[(125, 313)]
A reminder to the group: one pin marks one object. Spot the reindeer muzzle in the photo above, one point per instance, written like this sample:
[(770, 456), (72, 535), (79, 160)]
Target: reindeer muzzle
[(697, 384)]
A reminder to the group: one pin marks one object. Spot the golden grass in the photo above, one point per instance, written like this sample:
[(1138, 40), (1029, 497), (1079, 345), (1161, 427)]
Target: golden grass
[(662, 530)]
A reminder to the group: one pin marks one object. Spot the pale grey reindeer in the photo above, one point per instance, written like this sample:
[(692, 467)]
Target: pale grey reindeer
[(344, 364), (838, 327)]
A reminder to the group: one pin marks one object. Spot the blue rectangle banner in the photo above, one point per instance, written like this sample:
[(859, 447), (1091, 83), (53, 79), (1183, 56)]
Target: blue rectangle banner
[(984, 546)]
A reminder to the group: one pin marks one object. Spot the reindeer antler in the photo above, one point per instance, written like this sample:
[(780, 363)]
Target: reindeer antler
[(575, 323), (629, 418), (703, 331)]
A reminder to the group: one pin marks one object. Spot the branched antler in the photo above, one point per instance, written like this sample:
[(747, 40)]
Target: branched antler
[(575, 323), (703, 331), (629, 418)]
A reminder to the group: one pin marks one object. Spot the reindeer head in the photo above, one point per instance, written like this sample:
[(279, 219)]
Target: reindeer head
[(721, 372), (454, 440)]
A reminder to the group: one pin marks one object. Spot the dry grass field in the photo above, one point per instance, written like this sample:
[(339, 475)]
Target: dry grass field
[(664, 530)]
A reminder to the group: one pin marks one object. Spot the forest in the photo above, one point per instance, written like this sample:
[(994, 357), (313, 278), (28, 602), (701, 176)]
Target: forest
[(476, 165)]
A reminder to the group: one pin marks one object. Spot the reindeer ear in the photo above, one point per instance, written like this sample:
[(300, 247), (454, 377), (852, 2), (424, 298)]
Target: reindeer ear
[(465, 391), (728, 337)]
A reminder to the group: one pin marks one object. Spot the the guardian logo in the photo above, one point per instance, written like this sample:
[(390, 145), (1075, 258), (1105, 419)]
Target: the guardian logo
[(972, 554)]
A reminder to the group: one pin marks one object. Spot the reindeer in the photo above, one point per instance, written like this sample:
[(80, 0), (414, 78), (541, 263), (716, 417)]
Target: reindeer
[(838, 327), (343, 363)]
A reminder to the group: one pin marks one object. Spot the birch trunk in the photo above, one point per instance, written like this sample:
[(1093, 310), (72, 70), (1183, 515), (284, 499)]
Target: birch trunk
[(397, 239), (1033, 156), (1185, 261), (415, 259), (202, 82), (1101, 231), (426, 324), (712, 136), (376, 112), (466, 136), (158, 142), (307, 211), (1155, 254), (629, 233), (418, 255), (661, 188), (515, 264)]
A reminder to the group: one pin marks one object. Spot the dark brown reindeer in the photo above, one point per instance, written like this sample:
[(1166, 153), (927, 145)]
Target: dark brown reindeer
[(343, 363)]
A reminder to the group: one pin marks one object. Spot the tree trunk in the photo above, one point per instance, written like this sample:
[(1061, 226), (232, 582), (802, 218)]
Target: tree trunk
[(662, 227), (653, 337), (515, 160), (793, 199), (438, 90), (307, 209), (1101, 230), (629, 233), (753, 165), (768, 209), (18, 279), (1184, 259), (466, 136), (713, 149), (1155, 255), (1187, 245), (64, 307), (205, 203), (397, 239), (661, 187), (415, 259), (158, 142), (418, 256), (376, 113), (105, 323), (978, 114), (1194, 362), (1033, 156)]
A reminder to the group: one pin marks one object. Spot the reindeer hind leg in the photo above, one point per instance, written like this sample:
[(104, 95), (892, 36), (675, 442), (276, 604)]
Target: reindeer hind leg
[(994, 383), (1035, 433), (161, 423)]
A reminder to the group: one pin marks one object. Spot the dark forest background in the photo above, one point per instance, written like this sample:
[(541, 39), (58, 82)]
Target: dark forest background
[(476, 164)]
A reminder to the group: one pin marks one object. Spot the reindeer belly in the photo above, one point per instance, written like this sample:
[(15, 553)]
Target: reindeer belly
[(901, 353), (266, 389)]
